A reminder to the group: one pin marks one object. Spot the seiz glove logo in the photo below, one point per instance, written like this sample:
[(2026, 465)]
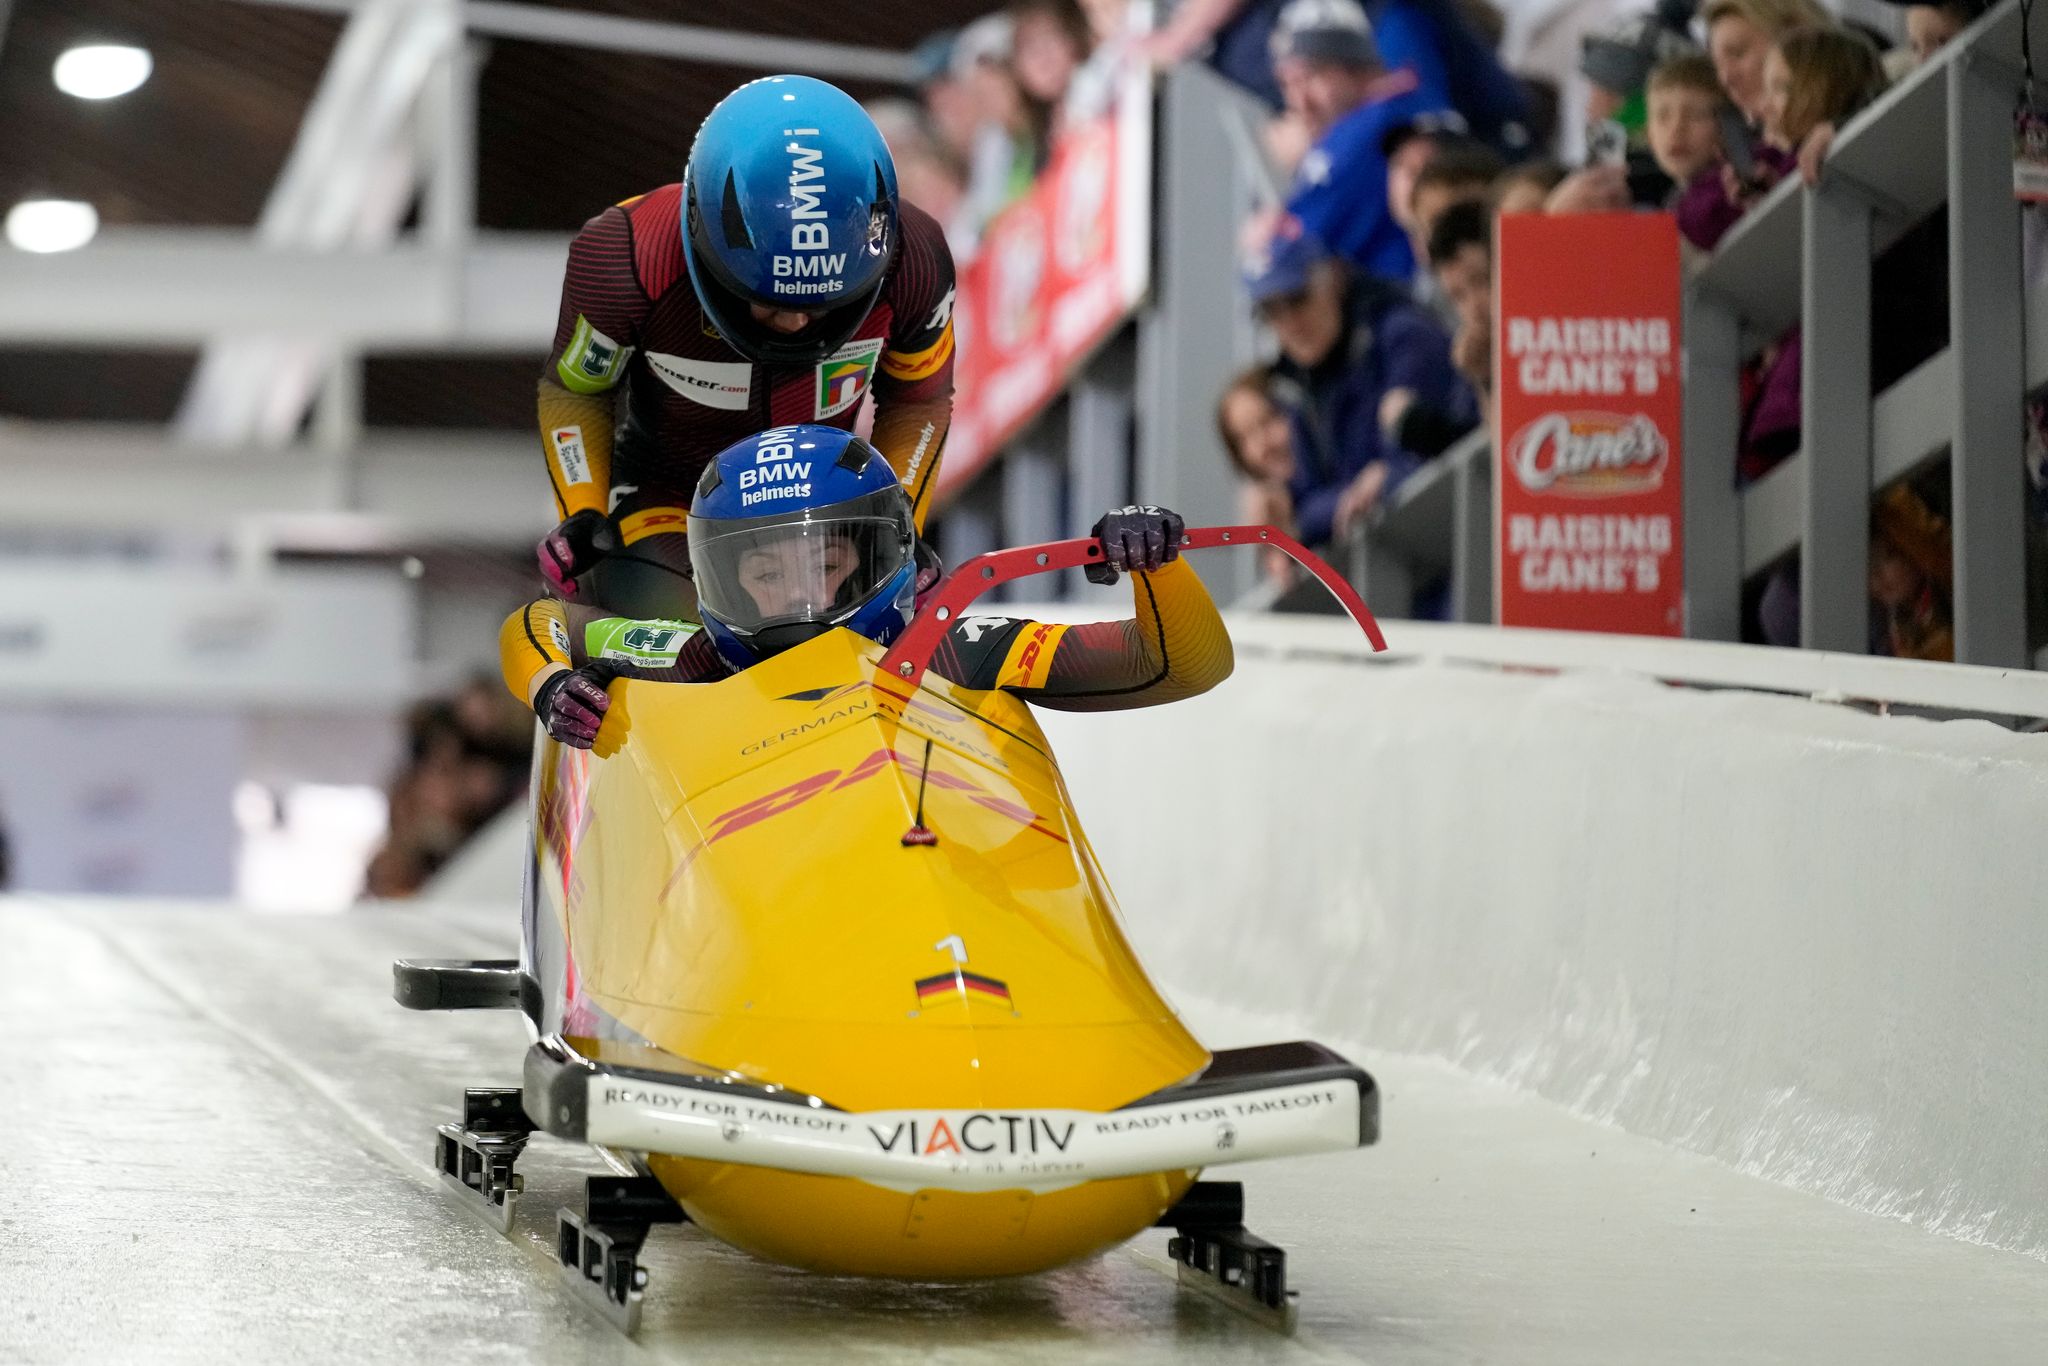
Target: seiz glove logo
[(1138, 539)]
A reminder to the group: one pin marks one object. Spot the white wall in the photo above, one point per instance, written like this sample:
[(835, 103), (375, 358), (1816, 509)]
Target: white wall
[(122, 800), (1805, 940)]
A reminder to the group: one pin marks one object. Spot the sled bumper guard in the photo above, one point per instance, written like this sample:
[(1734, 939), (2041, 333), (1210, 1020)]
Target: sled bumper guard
[(1277, 1100)]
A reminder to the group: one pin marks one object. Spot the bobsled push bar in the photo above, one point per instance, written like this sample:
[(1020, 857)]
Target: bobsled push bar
[(913, 650), (1278, 1100)]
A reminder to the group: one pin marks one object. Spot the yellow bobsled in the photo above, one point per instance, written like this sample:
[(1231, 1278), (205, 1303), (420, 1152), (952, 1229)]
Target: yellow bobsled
[(823, 951)]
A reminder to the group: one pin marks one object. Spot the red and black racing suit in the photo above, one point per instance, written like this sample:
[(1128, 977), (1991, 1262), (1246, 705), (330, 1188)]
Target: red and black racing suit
[(630, 318)]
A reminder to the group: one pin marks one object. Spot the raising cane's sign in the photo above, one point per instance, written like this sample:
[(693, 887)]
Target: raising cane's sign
[(1588, 499)]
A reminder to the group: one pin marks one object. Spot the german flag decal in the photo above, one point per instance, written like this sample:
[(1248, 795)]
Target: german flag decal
[(968, 985)]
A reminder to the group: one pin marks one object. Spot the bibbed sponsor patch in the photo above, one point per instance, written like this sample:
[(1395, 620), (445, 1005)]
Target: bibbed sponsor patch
[(651, 644), (714, 383), (570, 456), (591, 362), (844, 375)]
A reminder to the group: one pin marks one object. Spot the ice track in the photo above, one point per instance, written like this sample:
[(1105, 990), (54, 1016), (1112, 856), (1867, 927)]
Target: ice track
[(219, 1130)]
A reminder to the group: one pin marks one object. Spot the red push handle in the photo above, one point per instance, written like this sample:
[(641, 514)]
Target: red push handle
[(913, 651)]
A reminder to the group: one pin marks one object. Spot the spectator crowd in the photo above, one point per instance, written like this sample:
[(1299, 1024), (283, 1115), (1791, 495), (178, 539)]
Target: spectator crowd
[(1400, 135), (467, 757)]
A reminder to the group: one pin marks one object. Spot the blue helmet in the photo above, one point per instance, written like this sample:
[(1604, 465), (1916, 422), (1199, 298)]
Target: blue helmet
[(789, 202), (794, 532)]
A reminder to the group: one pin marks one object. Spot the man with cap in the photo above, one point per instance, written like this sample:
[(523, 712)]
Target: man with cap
[(1351, 349), (1331, 76), (1455, 63)]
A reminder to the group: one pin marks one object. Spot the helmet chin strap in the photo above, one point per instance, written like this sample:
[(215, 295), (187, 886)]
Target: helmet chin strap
[(773, 640)]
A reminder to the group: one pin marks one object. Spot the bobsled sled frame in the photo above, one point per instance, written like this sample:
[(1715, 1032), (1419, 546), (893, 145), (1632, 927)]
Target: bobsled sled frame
[(913, 651)]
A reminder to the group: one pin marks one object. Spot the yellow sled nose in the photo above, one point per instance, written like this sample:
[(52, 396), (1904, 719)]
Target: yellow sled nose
[(740, 897)]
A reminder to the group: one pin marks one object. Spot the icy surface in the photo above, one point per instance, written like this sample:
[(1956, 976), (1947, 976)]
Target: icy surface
[(219, 1139)]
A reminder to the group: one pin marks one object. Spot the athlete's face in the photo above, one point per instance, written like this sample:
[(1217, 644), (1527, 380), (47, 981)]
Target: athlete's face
[(787, 321), (785, 577)]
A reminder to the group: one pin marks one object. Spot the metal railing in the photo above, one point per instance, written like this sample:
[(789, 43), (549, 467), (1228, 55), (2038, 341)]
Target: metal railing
[(1939, 141)]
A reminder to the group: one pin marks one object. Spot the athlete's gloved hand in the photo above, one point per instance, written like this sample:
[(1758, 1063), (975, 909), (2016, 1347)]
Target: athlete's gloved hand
[(1135, 538), (572, 704), (580, 541)]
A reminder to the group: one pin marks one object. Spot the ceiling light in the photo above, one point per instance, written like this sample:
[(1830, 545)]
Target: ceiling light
[(101, 71), (51, 224)]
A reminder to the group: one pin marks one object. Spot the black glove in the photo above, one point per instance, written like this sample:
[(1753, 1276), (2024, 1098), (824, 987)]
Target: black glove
[(572, 704), (1137, 539), (580, 541)]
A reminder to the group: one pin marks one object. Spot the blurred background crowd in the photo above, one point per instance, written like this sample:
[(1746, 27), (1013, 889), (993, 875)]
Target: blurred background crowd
[(1392, 135), (1397, 132)]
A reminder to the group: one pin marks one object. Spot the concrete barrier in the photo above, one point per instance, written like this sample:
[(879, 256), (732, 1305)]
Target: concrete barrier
[(1802, 939)]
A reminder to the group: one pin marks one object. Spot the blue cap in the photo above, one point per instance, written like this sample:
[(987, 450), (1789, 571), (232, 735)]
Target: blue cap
[(1284, 264)]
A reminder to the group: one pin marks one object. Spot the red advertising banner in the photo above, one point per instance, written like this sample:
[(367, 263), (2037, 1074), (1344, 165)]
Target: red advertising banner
[(1056, 275), (1588, 503)]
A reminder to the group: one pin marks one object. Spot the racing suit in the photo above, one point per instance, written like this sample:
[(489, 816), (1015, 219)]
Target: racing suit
[(1174, 647), (630, 325)]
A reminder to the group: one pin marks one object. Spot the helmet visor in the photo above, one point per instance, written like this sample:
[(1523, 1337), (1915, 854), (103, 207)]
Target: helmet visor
[(804, 566)]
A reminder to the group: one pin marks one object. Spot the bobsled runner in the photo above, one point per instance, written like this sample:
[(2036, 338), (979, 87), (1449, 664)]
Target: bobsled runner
[(819, 959)]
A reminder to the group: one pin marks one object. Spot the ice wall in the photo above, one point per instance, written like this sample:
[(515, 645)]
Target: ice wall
[(1805, 940)]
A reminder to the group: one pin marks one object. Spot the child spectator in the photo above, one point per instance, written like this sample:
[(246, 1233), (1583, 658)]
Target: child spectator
[(1811, 77), (1461, 174), (1685, 105), (1617, 65), (1260, 442), (1525, 188), (1930, 27), (1814, 79), (1461, 256)]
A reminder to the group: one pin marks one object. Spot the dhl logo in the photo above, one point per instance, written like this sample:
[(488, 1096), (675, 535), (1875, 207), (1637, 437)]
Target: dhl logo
[(786, 799)]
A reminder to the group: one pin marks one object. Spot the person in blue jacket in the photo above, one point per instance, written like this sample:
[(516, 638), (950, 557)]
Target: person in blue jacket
[(1348, 102), (1454, 66), (1355, 353)]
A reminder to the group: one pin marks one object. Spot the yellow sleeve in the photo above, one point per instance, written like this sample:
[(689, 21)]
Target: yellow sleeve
[(576, 441), (534, 642), (1174, 647), (1028, 664), (912, 437), (1175, 612)]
